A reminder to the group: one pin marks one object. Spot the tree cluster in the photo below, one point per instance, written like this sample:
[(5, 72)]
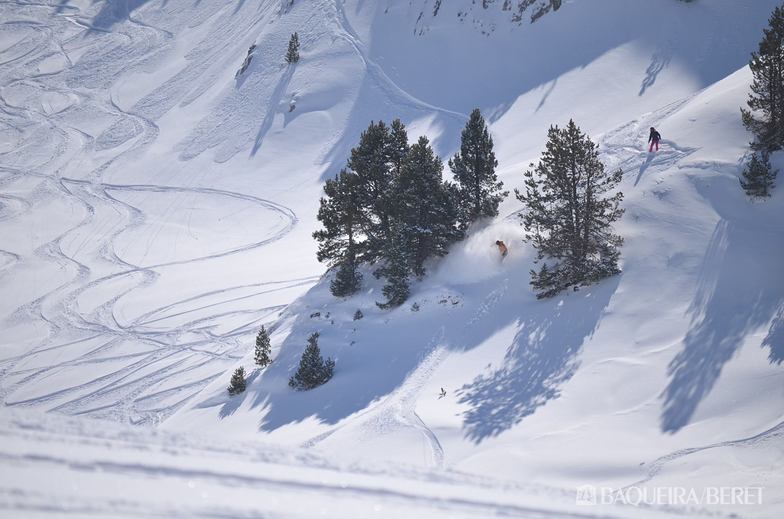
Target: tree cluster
[(765, 116), (391, 207)]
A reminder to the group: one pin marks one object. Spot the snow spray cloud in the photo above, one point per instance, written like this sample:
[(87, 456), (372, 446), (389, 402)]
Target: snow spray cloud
[(477, 259)]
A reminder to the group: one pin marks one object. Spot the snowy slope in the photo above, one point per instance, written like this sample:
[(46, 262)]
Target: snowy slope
[(156, 210), (659, 375), (97, 469)]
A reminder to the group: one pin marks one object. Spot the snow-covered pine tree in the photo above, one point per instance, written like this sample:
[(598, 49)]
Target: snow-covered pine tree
[(758, 177), (292, 54), (569, 211), (765, 117), (313, 370), (237, 383), (396, 268), (341, 213), (423, 206), (478, 188), (263, 349)]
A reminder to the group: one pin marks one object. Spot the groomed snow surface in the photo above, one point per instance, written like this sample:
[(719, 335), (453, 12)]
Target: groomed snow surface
[(155, 211)]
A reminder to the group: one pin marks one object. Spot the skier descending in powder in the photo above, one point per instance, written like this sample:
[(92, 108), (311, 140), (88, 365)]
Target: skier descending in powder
[(502, 248), (654, 138)]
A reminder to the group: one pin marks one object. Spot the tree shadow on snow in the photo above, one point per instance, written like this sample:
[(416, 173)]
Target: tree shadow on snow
[(374, 365), (775, 339), (229, 403), (740, 289), (659, 62), (113, 13), (542, 356), (376, 355), (116, 12), (273, 108)]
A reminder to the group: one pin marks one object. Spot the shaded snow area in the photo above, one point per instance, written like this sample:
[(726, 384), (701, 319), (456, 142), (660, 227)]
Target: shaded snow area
[(159, 184)]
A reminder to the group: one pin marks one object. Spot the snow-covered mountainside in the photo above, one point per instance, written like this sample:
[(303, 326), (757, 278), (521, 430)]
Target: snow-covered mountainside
[(156, 208)]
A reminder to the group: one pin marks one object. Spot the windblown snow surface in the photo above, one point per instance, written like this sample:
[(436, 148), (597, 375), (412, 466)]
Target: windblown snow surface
[(156, 210)]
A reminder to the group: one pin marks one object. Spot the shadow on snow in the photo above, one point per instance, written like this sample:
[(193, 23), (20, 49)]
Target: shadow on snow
[(542, 356), (739, 291)]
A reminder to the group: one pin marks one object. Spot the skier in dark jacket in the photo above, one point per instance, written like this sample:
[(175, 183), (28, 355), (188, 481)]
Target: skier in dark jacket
[(654, 138)]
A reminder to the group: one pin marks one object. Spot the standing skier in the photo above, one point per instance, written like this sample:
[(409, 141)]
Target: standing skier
[(654, 138)]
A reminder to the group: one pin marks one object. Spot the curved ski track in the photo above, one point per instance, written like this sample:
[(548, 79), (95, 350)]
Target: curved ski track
[(57, 74), (166, 363)]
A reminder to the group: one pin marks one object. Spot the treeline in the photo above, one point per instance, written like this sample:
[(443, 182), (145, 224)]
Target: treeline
[(391, 208)]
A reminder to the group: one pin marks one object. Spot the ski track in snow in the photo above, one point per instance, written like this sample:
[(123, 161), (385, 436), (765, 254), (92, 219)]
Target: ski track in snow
[(619, 148), (57, 76), (93, 456), (45, 164), (775, 433), (398, 410), (131, 392), (392, 90)]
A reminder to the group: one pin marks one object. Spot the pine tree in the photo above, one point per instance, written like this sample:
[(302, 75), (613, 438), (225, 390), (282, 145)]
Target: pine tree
[(292, 54), (263, 349), (424, 206), (237, 383), (313, 370), (396, 269), (569, 212), (397, 146), (479, 190), (341, 215), (767, 97), (758, 177), (374, 161), (347, 280), (359, 205)]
